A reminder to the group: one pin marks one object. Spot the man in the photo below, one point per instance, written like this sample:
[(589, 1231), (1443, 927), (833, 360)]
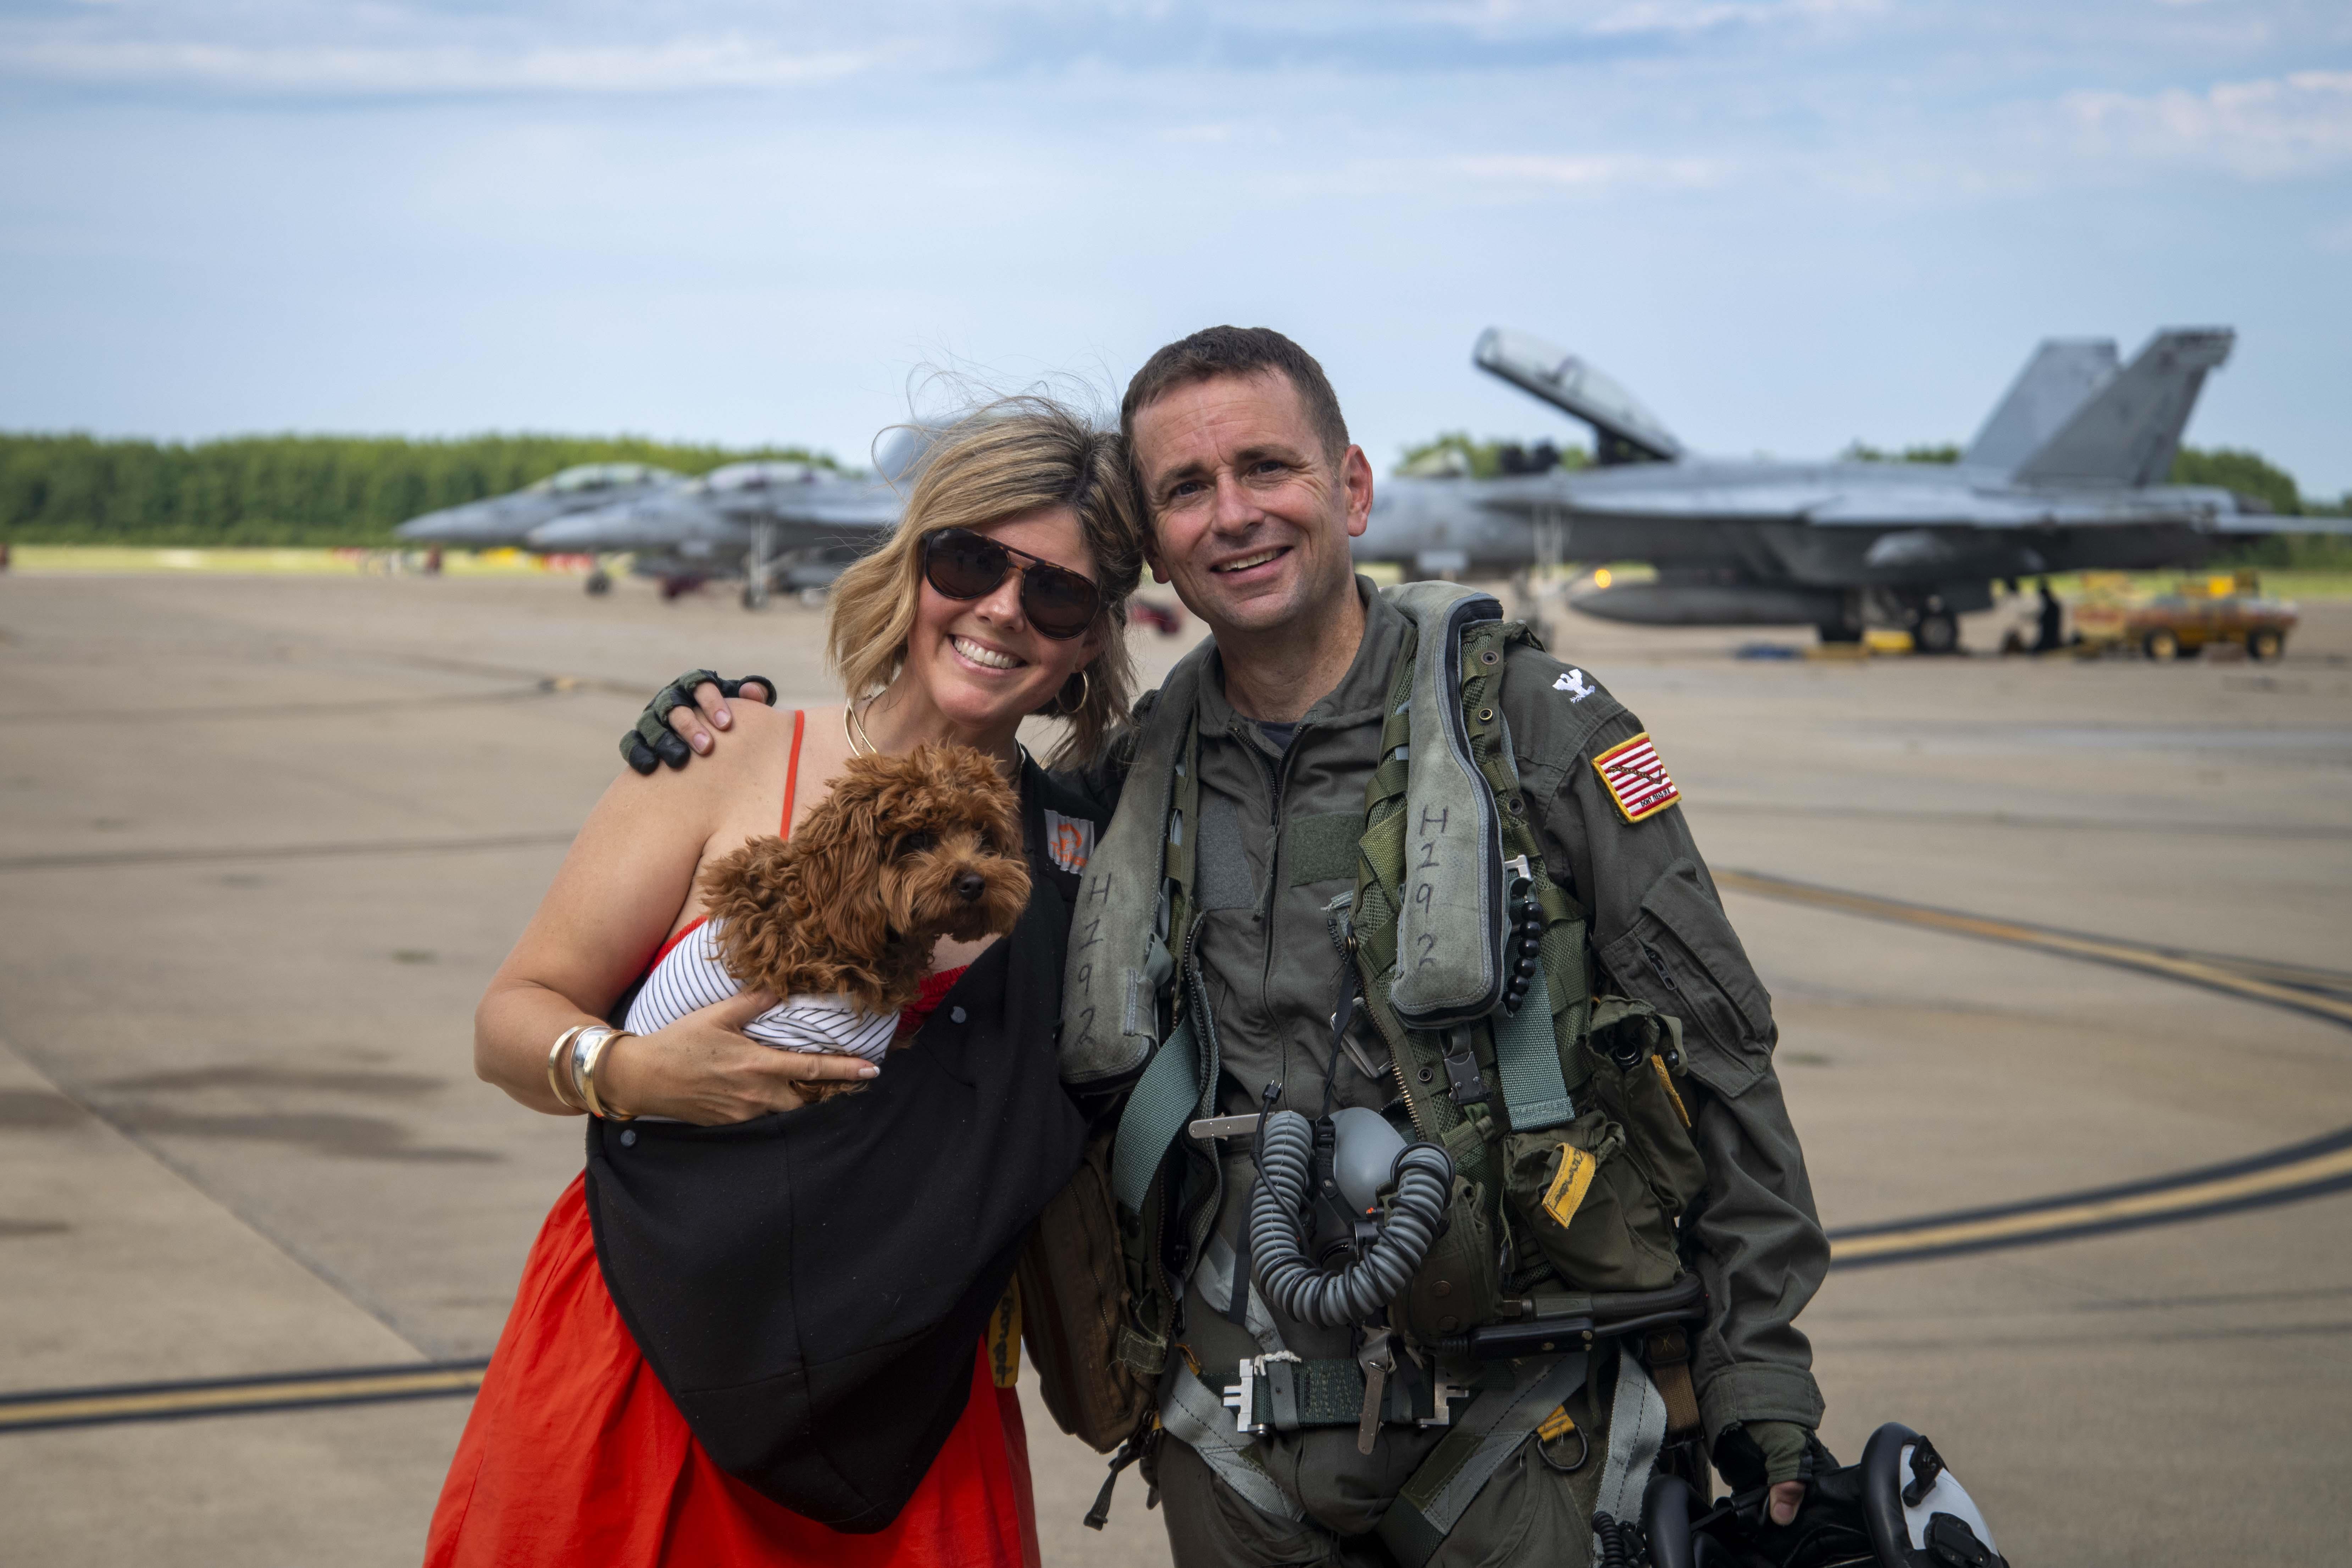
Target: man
[(1253, 491)]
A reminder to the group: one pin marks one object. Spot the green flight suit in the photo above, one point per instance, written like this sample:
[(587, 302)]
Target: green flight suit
[(1276, 843)]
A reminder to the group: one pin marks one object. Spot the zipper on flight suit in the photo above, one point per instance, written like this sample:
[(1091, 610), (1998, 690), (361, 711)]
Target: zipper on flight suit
[(1346, 944), (1275, 768)]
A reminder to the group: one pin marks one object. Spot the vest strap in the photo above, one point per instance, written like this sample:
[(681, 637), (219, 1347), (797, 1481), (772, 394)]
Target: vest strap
[(1637, 1430), (1162, 1100), (1527, 1056), (1280, 1393), (1192, 1413), (1434, 1497), (1119, 961)]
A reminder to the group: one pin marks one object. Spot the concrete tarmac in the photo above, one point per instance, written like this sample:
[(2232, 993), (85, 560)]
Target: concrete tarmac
[(263, 840)]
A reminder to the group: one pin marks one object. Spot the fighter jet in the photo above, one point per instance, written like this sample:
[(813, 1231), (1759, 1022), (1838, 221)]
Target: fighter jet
[(775, 524), (505, 519), (2067, 475)]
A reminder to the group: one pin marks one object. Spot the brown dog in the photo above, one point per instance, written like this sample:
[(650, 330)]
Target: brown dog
[(903, 851)]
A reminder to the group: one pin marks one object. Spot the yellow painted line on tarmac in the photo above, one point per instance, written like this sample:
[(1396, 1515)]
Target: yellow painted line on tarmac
[(2117, 1213), (2282, 1176), (2212, 973), (91, 1406)]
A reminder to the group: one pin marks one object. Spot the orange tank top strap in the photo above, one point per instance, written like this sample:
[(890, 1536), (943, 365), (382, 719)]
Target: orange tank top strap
[(793, 771)]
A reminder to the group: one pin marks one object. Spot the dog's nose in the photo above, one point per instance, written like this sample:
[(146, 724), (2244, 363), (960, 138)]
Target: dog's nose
[(969, 886)]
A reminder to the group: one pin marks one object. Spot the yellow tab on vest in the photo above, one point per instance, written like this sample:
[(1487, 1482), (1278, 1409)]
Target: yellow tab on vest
[(1636, 779), (1667, 1079), (1004, 1338), (1576, 1168), (1557, 1425)]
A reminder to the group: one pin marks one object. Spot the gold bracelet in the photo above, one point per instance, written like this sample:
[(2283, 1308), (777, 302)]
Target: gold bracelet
[(555, 1064), (596, 1106)]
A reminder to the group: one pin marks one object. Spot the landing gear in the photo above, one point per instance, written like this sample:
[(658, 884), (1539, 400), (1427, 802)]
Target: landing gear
[(1936, 631), (759, 565), (600, 582), (1845, 629)]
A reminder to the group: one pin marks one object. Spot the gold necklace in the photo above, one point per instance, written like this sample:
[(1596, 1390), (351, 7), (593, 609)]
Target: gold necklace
[(854, 728)]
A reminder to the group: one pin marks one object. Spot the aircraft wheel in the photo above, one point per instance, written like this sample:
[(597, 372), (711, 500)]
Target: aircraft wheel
[(2161, 644), (598, 582), (2264, 644), (1938, 631), (755, 596)]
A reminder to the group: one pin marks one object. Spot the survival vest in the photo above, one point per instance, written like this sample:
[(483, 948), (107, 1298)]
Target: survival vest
[(1560, 1109)]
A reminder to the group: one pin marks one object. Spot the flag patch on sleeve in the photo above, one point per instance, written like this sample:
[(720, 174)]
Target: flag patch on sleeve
[(1070, 840), (1637, 780)]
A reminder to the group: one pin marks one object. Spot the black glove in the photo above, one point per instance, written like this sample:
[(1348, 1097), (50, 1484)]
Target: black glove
[(650, 742), (1765, 1453)]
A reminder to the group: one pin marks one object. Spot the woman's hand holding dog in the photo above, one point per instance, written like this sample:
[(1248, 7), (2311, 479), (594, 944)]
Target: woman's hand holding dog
[(704, 1069)]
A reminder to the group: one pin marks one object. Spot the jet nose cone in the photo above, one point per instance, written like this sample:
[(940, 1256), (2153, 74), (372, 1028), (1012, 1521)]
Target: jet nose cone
[(433, 528)]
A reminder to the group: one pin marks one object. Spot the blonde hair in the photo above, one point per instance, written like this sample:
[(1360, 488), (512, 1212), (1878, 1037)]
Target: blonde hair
[(1016, 456)]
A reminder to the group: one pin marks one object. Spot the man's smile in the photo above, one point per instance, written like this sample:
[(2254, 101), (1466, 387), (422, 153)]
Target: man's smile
[(1247, 562)]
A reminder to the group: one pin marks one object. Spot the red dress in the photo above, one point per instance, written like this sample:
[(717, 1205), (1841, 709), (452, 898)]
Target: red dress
[(575, 1454)]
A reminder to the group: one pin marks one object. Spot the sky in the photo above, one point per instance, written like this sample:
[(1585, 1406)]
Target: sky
[(1787, 225)]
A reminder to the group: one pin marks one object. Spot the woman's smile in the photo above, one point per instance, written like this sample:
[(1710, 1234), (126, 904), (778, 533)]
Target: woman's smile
[(982, 655)]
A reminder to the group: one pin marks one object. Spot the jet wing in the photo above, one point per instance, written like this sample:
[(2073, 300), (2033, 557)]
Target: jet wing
[(873, 512), (1928, 506), (1933, 507), (1762, 502), (2271, 523)]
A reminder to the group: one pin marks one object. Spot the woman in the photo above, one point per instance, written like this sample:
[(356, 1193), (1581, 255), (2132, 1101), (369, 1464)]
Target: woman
[(799, 1297)]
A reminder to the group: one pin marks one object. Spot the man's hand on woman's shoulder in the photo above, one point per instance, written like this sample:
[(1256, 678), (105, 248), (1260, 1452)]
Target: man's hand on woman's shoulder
[(676, 724)]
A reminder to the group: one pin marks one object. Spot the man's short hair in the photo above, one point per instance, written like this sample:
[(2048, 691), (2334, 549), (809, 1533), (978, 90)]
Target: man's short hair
[(1236, 350)]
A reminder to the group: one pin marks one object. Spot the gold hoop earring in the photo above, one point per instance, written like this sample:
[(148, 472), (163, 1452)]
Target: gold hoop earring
[(1085, 692)]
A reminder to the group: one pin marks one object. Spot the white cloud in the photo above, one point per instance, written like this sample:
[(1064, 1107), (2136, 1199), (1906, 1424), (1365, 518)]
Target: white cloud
[(1590, 171), (1699, 15), (665, 67), (2267, 129)]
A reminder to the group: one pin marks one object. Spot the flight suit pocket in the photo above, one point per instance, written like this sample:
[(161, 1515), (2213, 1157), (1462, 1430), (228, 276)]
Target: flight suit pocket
[(1635, 1055), (1457, 1284), (1682, 956), (1585, 1202)]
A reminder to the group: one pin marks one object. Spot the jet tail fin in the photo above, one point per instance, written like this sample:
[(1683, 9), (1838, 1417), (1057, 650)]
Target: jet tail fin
[(2056, 382), (2127, 431)]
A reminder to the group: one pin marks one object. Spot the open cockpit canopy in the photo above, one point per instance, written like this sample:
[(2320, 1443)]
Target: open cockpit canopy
[(1628, 432), (756, 476)]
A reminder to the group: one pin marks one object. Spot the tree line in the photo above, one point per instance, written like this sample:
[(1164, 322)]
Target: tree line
[(291, 489)]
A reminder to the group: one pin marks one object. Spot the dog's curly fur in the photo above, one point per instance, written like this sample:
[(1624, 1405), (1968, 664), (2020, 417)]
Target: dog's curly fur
[(903, 851)]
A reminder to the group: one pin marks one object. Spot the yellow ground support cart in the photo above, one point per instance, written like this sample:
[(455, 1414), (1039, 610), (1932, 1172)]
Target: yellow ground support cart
[(2221, 609)]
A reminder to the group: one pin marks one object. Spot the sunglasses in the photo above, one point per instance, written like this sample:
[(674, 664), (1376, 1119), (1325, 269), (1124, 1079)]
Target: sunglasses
[(962, 565)]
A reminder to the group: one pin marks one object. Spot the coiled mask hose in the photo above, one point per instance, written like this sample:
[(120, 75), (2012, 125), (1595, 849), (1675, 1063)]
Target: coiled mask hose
[(1424, 1175)]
